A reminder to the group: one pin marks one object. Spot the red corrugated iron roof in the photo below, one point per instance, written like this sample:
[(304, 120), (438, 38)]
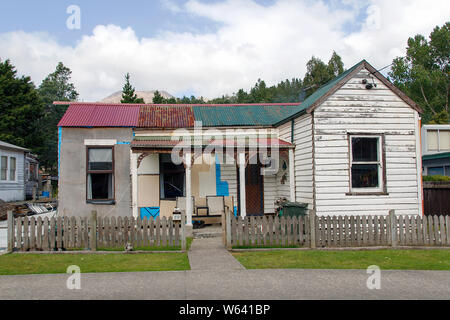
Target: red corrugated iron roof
[(100, 115), (166, 117)]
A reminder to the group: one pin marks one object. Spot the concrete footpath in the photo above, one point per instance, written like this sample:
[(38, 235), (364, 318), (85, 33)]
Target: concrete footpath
[(210, 254), (233, 285), (216, 275)]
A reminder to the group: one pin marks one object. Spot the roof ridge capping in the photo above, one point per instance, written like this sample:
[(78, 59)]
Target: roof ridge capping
[(326, 90)]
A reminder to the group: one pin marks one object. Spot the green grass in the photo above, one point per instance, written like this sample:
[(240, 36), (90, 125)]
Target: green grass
[(317, 259), (57, 263)]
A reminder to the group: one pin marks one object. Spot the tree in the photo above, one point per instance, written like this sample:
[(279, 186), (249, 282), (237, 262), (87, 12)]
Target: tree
[(318, 73), (128, 95), (424, 73), (158, 98), (55, 87), (20, 108)]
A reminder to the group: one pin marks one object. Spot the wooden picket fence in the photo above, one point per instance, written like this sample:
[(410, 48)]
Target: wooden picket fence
[(93, 233), (338, 231)]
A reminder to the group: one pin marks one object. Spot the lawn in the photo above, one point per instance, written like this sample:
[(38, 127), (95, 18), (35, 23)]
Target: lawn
[(115, 262), (318, 259), (153, 248)]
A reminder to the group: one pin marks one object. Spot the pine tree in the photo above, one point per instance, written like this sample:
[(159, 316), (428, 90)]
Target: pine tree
[(158, 98), (20, 108), (128, 95), (55, 87)]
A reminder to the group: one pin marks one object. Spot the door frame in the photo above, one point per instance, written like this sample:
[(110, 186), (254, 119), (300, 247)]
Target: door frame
[(239, 190)]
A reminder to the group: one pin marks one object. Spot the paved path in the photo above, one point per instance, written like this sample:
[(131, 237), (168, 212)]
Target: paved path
[(210, 254), (235, 285)]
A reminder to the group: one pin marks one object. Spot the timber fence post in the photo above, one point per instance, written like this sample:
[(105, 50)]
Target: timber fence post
[(393, 225), (312, 228), (93, 234), (183, 230), (10, 231)]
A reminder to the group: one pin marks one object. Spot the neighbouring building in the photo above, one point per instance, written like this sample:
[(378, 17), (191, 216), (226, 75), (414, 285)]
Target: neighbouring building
[(353, 147), (12, 172), (436, 149)]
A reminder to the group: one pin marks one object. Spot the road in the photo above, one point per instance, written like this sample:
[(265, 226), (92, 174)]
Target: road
[(235, 285)]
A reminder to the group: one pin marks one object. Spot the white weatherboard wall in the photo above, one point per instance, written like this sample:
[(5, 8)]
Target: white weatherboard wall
[(283, 190), (303, 160), (13, 190), (354, 109)]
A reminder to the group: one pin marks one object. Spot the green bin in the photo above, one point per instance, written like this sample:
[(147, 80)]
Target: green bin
[(293, 209)]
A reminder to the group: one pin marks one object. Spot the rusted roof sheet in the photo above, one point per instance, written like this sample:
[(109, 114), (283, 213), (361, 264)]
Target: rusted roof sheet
[(100, 115), (166, 117)]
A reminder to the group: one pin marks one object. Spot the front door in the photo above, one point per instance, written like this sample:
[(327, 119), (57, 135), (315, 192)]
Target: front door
[(254, 190)]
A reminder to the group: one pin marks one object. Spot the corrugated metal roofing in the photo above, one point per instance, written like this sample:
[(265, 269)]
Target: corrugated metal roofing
[(436, 156), (249, 115), (166, 117), (7, 145), (100, 115)]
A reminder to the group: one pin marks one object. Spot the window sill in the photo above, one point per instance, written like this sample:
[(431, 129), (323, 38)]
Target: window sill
[(367, 193), (101, 202)]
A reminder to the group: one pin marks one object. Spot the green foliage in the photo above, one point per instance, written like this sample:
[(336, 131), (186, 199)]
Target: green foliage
[(128, 95), (20, 108), (55, 87), (318, 73), (424, 74), (158, 98), (436, 178)]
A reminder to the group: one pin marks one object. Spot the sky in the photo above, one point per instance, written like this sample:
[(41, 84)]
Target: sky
[(204, 48)]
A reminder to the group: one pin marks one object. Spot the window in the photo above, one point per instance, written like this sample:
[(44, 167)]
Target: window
[(4, 168), (438, 140), (100, 174), (435, 171), (366, 163), (12, 169), (171, 178)]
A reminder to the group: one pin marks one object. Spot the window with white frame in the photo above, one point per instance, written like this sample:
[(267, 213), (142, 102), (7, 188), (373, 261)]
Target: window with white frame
[(366, 163), (12, 168), (438, 140), (4, 168)]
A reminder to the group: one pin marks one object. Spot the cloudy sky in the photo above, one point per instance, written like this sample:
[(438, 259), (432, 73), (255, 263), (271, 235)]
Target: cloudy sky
[(200, 47)]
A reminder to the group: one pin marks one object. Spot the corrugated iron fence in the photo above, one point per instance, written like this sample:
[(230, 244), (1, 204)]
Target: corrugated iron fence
[(436, 197), (338, 231), (94, 233)]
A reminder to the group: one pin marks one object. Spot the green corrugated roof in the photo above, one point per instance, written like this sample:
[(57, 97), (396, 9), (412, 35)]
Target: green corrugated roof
[(251, 115), (319, 94), (436, 156)]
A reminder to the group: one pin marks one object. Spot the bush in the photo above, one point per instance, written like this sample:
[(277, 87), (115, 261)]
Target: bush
[(436, 178)]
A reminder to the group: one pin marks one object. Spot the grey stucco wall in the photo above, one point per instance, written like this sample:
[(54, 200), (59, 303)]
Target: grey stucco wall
[(72, 175)]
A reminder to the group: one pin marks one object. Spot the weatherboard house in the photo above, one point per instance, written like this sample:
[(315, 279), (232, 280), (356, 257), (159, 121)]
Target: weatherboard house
[(352, 147)]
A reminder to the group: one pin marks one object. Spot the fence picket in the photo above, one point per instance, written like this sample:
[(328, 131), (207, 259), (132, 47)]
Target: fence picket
[(447, 228)]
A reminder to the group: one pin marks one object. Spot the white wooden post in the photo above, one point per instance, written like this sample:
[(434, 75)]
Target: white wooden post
[(292, 174), (241, 160), (312, 228), (188, 190), (133, 165)]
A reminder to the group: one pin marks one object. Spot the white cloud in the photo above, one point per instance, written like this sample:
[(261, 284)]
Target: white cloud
[(253, 41)]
